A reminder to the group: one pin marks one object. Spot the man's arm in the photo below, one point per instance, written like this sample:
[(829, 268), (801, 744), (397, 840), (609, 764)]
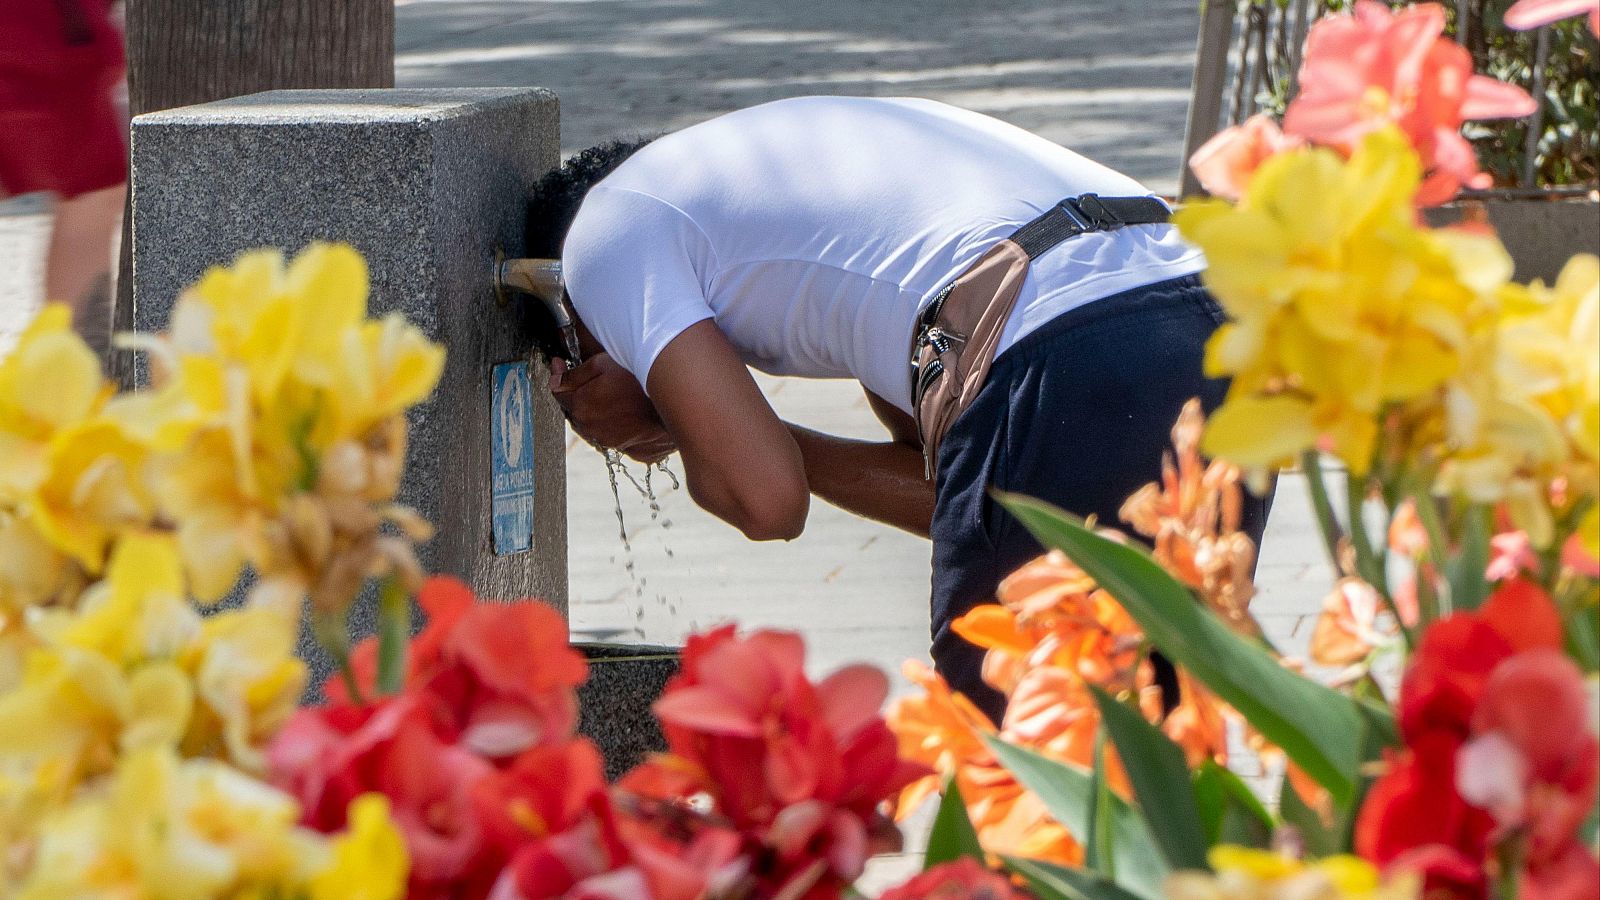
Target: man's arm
[(880, 481), (739, 461)]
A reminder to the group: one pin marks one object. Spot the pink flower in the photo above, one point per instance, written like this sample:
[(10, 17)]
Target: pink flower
[(1375, 68), (1526, 14), (1225, 163), (1511, 553)]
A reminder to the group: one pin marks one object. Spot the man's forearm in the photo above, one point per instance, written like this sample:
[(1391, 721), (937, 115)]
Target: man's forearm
[(880, 481)]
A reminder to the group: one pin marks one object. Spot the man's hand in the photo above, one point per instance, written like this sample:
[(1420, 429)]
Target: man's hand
[(608, 408)]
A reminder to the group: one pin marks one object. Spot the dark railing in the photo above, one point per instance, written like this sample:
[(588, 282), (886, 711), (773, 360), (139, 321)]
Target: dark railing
[(1249, 57)]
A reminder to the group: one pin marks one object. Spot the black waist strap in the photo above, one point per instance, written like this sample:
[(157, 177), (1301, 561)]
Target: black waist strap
[(1069, 218), (1090, 212)]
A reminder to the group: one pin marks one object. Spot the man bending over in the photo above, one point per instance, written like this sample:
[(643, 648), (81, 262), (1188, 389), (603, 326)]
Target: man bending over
[(1020, 318)]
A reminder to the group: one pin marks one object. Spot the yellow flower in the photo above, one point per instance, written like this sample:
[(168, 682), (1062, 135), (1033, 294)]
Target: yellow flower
[(1526, 416), (136, 665), (139, 612), (176, 830), (51, 380), (32, 573), (93, 489), (1243, 873), (276, 317), (383, 369), (247, 679), (369, 860), (271, 385), (104, 678), (1339, 304)]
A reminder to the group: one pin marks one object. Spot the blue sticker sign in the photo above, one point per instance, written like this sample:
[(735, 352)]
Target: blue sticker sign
[(511, 432)]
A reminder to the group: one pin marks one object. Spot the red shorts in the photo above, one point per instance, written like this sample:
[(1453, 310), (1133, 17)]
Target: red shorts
[(60, 128)]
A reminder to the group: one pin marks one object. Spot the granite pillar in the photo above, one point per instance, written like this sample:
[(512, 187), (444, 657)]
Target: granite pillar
[(427, 184)]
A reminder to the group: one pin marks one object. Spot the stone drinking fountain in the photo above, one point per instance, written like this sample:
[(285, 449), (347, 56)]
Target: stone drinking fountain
[(429, 186)]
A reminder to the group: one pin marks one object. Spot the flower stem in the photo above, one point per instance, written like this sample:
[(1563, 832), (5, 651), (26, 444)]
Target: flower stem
[(1438, 544), (1368, 564), (333, 633), (394, 632), (1328, 523)]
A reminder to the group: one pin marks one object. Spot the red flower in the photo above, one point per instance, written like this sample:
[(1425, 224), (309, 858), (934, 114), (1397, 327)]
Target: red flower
[(327, 757), (1456, 656), (799, 769), (1415, 806), (960, 879), (1374, 68), (498, 677), (1499, 748), (1533, 761)]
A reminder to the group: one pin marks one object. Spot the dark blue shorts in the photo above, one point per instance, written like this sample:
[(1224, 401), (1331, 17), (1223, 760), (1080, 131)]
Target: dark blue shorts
[(1077, 413)]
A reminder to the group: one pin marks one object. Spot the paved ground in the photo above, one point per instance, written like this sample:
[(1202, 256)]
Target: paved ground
[(1107, 77)]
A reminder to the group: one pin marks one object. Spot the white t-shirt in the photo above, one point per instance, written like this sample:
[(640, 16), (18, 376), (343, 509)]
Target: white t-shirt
[(814, 229)]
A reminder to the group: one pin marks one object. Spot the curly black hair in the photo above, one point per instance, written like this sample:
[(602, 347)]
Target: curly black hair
[(553, 203)]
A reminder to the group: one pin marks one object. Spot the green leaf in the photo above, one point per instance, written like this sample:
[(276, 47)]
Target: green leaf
[(1234, 814), (1160, 777), (1318, 727), (1048, 881), (1583, 636), (1468, 585), (1067, 792), (1099, 854), (1318, 838), (1382, 732), (952, 836)]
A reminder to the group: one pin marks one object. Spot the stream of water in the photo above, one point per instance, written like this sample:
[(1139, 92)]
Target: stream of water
[(617, 469)]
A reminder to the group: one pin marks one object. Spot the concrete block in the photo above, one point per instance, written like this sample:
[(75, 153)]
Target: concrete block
[(1541, 234), (427, 184), (614, 704)]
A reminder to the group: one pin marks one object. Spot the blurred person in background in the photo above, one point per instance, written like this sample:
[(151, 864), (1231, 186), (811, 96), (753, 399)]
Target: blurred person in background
[(62, 131)]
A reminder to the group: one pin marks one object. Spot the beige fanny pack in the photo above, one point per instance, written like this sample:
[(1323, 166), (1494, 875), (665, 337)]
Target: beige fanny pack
[(958, 333)]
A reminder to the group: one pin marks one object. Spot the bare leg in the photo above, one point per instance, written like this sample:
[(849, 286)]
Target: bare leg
[(78, 268)]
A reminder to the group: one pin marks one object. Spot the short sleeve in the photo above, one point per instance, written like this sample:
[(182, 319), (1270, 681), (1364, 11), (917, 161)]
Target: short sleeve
[(636, 269)]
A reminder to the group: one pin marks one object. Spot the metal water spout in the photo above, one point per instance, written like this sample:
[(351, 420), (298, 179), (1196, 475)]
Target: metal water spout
[(541, 279)]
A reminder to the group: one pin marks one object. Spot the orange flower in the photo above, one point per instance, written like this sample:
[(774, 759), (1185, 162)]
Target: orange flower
[(1407, 536), (1198, 724), (940, 729), (1226, 163), (1375, 68), (1192, 519), (1051, 613), (943, 731), (1348, 628)]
